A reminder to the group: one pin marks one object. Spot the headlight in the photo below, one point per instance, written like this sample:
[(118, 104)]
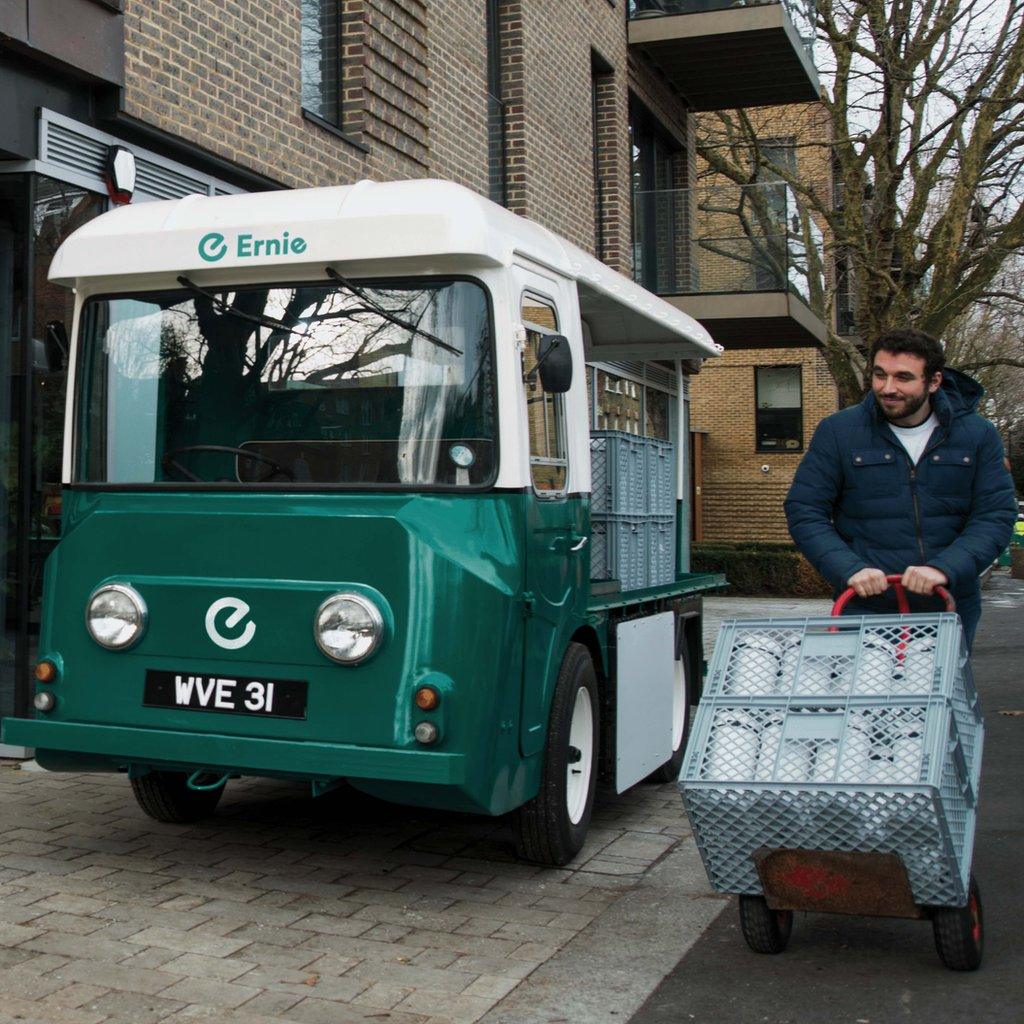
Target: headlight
[(116, 616), (348, 628)]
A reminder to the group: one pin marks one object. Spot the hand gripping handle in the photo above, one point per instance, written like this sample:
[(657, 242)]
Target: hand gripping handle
[(901, 597)]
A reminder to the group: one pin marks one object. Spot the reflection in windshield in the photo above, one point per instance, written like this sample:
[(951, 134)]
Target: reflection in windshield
[(315, 383)]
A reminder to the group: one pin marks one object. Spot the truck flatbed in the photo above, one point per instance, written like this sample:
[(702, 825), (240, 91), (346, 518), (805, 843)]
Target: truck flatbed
[(684, 586)]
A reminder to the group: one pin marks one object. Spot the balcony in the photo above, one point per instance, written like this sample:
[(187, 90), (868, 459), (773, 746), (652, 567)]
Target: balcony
[(722, 54), (746, 261)]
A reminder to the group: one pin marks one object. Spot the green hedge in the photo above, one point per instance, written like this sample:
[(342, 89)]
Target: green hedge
[(760, 568)]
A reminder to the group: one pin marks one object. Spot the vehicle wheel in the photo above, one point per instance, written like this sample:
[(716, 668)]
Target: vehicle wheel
[(551, 828), (765, 930), (165, 797), (669, 771), (960, 932)]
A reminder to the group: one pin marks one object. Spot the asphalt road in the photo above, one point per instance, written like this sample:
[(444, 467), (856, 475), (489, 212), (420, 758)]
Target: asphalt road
[(852, 970)]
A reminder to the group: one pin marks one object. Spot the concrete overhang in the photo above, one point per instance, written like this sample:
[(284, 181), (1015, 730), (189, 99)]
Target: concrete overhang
[(83, 37), (754, 319), (737, 57)]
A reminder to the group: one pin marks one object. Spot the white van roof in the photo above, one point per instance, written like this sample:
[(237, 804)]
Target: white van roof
[(371, 221)]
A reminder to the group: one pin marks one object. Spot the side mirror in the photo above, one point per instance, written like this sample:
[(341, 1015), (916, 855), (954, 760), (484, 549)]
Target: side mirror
[(55, 343), (554, 363)]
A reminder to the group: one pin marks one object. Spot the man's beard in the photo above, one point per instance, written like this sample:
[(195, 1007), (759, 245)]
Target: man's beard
[(910, 406)]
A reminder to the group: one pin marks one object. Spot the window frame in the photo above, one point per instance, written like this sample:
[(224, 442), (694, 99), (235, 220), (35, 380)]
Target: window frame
[(799, 408), (345, 124), (78, 405), (558, 401)]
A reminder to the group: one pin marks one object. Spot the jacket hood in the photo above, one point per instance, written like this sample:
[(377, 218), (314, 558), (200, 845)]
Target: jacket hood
[(958, 395), (963, 393)]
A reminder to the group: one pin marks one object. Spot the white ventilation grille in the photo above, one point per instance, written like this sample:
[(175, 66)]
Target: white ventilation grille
[(65, 147), (161, 182), (81, 151), (647, 373), (661, 377)]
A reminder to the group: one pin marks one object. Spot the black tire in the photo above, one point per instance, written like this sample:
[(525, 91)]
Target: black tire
[(960, 932), (669, 771), (165, 796), (765, 930), (544, 828)]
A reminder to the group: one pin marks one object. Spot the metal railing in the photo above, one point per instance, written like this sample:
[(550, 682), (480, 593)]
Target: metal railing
[(725, 239), (801, 12)]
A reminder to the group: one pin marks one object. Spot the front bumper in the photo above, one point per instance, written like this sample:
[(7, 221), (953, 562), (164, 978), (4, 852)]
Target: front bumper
[(110, 747)]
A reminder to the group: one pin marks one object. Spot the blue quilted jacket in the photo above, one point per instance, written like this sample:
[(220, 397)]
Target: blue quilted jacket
[(858, 502)]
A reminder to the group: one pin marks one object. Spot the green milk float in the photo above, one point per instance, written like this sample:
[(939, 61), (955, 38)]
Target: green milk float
[(327, 512)]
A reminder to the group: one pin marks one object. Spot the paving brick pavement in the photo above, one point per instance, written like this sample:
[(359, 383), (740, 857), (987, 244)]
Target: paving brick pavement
[(285, 909)]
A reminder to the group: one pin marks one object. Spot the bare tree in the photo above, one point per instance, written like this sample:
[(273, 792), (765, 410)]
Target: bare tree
[(924, 131)]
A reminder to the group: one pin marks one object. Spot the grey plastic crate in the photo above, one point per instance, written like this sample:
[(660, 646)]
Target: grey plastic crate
[(600, 473), (619, 550), (661, 550), (600, 567), (618, 470), (661, 478), (860, 734)]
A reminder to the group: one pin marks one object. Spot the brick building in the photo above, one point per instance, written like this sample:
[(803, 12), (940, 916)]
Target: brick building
[(566, 113), (755, 409), (743, 483)]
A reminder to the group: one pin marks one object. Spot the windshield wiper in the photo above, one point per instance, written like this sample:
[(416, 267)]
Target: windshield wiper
[(221, 306), (377, 308)]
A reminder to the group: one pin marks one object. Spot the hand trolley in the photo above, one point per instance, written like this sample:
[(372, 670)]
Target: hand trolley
[(834, 767)]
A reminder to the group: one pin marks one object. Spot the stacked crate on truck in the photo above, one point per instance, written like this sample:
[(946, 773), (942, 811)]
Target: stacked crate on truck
[(632, 509)]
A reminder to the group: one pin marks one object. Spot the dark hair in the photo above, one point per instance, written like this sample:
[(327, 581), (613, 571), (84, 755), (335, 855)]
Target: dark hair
[(913, 343)]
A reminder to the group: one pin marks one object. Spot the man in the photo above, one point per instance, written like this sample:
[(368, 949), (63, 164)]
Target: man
[(911, 481)]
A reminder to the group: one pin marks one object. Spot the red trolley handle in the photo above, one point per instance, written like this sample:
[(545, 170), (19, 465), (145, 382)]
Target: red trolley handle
[(901, 597)]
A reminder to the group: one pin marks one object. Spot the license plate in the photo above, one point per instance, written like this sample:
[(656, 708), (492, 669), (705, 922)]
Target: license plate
[(237, 695)]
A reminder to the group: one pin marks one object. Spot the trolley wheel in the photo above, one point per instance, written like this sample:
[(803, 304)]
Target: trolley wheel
[(765, 930), (960, 932), (165, 796)]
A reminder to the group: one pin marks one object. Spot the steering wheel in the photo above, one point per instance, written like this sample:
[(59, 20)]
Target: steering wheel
[(169, 461)]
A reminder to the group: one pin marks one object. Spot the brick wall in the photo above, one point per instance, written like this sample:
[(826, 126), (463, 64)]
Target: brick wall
[(457, 113), (227, 78), (548, 81), (741, 502)]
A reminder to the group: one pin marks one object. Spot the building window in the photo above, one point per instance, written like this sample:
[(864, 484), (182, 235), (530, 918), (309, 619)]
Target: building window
[(779, 415), (619, 403), (656, 414), (330, 45), (627, 405), (496, 155), (661, 217)]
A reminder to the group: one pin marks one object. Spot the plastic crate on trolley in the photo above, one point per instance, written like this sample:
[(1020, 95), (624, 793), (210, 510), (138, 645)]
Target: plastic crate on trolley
[(841, 734)]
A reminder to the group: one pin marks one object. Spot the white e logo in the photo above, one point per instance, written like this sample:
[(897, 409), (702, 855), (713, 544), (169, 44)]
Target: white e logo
[(239, 610)]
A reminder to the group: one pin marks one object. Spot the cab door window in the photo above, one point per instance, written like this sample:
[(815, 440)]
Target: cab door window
[(545, 413)]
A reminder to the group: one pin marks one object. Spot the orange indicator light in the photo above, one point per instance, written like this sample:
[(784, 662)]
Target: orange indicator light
[(46, 672), (427, 698)]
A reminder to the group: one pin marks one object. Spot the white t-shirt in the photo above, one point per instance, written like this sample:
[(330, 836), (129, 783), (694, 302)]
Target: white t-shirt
[(915, 439)]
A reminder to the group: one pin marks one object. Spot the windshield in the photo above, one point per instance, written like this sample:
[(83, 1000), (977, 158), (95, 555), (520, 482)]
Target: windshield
[(361, 384)]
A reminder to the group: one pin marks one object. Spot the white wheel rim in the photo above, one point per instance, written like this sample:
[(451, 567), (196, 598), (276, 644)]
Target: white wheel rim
[(679, 708), (577, 775)]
